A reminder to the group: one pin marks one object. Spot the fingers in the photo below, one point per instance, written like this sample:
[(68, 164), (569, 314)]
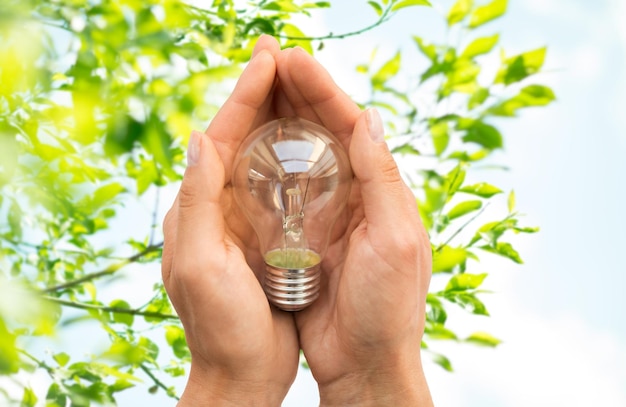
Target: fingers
[(387, 200), (310, 92), (267, 43), (248, 105)]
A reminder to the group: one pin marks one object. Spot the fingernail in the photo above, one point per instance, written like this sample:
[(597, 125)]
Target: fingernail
[(375, 126), (193, 149)]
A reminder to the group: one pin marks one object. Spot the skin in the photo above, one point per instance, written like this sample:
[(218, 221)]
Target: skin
[(361, 337)]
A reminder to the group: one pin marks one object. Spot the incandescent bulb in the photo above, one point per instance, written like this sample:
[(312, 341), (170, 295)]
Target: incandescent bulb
[(292, 178)]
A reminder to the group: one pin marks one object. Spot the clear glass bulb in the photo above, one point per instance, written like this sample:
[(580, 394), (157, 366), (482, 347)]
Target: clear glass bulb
[(292, 179)]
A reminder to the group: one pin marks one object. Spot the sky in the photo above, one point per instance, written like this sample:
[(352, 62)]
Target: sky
[(562, 314)]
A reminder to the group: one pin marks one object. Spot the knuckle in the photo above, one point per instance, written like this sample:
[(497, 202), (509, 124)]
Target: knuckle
[(187, 195), (389, 169)]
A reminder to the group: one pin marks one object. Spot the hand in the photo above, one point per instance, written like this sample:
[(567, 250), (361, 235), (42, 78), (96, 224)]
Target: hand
[(362, 336), (244, 352)]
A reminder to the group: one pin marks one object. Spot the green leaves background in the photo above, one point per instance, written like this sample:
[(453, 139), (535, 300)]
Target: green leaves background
[(96, 102)]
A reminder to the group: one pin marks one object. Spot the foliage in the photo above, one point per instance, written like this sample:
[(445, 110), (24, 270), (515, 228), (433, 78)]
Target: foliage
[(96, 98), (448, 124)]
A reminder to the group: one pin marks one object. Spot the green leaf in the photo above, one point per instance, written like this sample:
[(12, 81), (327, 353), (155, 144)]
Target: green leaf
[(464, 208), (123, 352), (439, 331), (55, 397), (453, 180), (442, 361), (15, 217), (480, 46), (511, 201), (160, 305), (29, 399), (429, 50), (105, 194), (439, 132), (122, 318), (465, 281), (491, 232), (459, 11), (317, 4), (287, 6), (483, 189), (468, 301), (377, 7), (386, 72), (448, 258), (151, 350), (461, 77), (405, 149), (519, 67), (529, 96), (483, 339), (263, 25), (175, 337), (9, 358), (175, 371), (293, 31), (487, 13), (120, 385), (506, 250), (61, 358), (480, 133), (478, 98), (526, 230), (435, 310), (409, 3)]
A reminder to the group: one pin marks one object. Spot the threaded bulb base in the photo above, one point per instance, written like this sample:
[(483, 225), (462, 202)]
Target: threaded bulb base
[(292, 289)]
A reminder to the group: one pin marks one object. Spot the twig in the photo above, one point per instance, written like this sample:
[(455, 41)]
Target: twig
[(109, 270), (157, 382), (155, 214), (441, 246), (330, 36), (116, 310)]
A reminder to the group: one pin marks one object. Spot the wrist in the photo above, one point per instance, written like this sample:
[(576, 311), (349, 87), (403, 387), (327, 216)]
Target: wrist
[(391, 383), (218, 389)]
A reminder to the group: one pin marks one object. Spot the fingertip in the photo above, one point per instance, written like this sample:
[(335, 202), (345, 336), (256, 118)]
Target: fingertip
[(194, 148), (267, 43), (204, 173), (375, 126)]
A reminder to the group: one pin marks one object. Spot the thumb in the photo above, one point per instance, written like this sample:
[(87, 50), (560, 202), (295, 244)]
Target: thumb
[(387, 200), (200, 222)]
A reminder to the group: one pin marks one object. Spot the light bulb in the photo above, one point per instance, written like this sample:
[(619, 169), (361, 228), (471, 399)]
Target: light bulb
[(292, 178)]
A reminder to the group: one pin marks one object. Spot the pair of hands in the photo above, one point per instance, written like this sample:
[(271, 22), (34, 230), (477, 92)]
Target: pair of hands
[(362, 336)]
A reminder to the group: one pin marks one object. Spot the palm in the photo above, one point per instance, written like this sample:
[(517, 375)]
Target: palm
[(348, 312)]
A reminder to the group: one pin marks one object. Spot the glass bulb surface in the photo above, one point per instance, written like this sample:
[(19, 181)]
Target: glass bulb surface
[(292, 178)]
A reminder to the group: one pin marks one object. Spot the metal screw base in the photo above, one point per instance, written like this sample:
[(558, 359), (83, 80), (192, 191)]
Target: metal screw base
[(292, 289)]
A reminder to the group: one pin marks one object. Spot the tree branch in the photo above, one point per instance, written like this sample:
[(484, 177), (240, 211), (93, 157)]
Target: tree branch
[(116, 310), (384, 17), (441, 246), (109, 270), (157, 382), (155, 214)]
